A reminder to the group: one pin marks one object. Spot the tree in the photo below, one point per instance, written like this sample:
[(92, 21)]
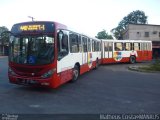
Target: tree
[(103, 35), (4, 37), (135, 17)]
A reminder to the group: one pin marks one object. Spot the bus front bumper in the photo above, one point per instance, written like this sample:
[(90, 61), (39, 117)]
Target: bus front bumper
[(30, 81)]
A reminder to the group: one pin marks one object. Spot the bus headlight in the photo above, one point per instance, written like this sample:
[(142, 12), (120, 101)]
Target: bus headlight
[(10, 71), (49, 73)]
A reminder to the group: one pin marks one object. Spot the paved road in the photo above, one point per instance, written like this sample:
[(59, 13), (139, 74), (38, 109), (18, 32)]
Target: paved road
[(110, 89)]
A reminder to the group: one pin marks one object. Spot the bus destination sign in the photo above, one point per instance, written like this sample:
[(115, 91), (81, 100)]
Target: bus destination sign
[(36, 27), (33, 27)]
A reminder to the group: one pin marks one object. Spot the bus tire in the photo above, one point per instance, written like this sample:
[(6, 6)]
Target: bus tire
[(97, 64), (132, 59), (75, 73)]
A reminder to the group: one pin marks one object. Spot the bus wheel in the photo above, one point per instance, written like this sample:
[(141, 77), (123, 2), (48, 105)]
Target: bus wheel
[(97, 64), (132, 59), (75, 73)]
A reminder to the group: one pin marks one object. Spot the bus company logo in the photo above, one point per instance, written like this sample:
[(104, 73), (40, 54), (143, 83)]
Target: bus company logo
[(90, 60), (117, 56)]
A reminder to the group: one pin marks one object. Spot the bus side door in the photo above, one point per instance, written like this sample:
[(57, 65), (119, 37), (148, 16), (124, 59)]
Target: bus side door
[(84, 54), (64, 63), (108, 51)]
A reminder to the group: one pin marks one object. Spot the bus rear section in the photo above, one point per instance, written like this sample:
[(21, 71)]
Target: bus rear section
[(116, 51)]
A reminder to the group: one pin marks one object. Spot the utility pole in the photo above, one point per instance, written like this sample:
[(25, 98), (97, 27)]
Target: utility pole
[(31, 18)]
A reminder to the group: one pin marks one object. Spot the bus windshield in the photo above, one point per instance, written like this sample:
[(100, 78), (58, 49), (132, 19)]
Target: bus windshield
[(33, 50)]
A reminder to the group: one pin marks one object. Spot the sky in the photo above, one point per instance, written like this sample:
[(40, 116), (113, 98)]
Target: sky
[(86, 16)]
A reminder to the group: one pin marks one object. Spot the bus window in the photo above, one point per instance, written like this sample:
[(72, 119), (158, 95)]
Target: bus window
[(98, 46), (110, 46), (145, 46), (65, 42), (136, 46), (127, 46), (84, 41), (149, 46), (124, 46), (89, 45), (73, 39), (62, 39), (93, 46), (118, 46), (106, 47), (79, 43)]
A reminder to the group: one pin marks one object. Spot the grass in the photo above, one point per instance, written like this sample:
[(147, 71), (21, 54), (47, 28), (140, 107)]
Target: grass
[(152, 67)]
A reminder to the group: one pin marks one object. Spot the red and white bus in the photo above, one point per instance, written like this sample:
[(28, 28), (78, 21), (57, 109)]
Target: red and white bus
[(49, 54), (115, 51)]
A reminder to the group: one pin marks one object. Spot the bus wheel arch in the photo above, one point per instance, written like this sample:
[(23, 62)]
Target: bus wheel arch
[(132, 59), (75, 72), (97, 63)]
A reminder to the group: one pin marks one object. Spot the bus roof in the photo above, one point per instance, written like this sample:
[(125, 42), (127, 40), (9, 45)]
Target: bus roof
[(111, 40)]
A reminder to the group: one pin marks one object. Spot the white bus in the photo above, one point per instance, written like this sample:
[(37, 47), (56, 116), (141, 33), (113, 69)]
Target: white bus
[(114, 51)]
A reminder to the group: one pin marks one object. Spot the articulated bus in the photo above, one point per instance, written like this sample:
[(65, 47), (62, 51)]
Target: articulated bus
[(50, 54), (132, 51)]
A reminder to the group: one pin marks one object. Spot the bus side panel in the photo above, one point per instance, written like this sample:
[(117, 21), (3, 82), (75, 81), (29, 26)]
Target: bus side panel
[(55, 81), (112, 60), (149, 55), (62, 78), (84, 68), (90, 63), (139, 56), (119, 57), (66, 64), (144, 56)]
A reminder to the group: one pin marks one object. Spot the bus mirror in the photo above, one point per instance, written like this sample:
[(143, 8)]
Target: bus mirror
[(60, 34)]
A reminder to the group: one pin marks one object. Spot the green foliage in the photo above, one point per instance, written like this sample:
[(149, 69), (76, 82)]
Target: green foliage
[(4, 36), (3, 29), (135, 17), (153, 67), (103, 35), (156, 65)]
